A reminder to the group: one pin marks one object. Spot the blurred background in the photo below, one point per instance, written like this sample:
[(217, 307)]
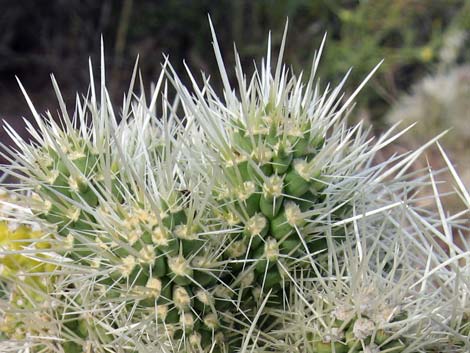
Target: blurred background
[(425, 43)]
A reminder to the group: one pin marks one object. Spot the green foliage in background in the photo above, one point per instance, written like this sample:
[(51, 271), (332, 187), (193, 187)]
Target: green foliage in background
[(409, 34)]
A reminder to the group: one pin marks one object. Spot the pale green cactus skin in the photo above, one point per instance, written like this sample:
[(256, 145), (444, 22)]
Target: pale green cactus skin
[(269, 204)]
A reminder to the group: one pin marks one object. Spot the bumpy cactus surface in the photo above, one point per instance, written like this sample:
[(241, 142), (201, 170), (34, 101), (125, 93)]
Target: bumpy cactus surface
[(203, 224)]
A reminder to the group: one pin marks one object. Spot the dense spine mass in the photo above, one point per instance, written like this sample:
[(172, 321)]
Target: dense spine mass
[(217, 225)]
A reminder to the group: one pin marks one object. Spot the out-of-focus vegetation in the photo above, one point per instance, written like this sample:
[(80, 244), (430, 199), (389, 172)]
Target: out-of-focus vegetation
[(437, 103), (39, 37)]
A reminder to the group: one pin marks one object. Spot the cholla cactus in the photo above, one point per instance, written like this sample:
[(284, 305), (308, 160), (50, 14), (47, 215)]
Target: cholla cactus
[(197, 233), (118, 199), (440, 102), (286, 168), (374, 296), (453, 42)]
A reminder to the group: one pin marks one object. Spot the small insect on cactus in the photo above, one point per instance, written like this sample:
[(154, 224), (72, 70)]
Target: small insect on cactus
[(194, 232)]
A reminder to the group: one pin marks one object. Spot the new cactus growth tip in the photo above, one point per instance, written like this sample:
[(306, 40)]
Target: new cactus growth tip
[(205, 224)]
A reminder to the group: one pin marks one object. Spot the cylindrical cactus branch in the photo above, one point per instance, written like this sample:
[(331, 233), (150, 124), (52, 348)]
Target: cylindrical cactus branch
[(287, 171), (134, 222)]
